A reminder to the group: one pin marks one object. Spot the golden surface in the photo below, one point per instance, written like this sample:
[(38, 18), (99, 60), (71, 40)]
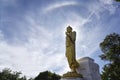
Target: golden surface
[(70, 49), (71, 54), (72, 75)]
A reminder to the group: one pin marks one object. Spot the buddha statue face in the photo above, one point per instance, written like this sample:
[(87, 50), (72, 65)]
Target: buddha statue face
[(69, 29)]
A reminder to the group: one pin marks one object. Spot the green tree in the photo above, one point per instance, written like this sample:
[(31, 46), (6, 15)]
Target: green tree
[(47, 75), (117, 0), (7, 74), (111, 52)]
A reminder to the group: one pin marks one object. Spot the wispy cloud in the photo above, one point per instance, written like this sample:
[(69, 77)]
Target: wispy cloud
[(108, 5), (36, 55), (41, 52), (59, 5)]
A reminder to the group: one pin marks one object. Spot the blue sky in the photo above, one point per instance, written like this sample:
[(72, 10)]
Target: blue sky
[(32, 32)]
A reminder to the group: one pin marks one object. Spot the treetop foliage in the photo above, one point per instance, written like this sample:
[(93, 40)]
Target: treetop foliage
[(47, 75), (117, 0), (111, 48), (7, 74), (111, 52)]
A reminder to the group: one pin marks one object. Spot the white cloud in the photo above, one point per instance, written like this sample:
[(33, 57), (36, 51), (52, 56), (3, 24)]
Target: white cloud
[(30, 58), (108, 5), (102, 6), (107, 1), (40, 53), (90, 42)]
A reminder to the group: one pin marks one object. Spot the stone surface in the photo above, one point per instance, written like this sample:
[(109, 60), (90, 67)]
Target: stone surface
[(89, 69), (71, 79)]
